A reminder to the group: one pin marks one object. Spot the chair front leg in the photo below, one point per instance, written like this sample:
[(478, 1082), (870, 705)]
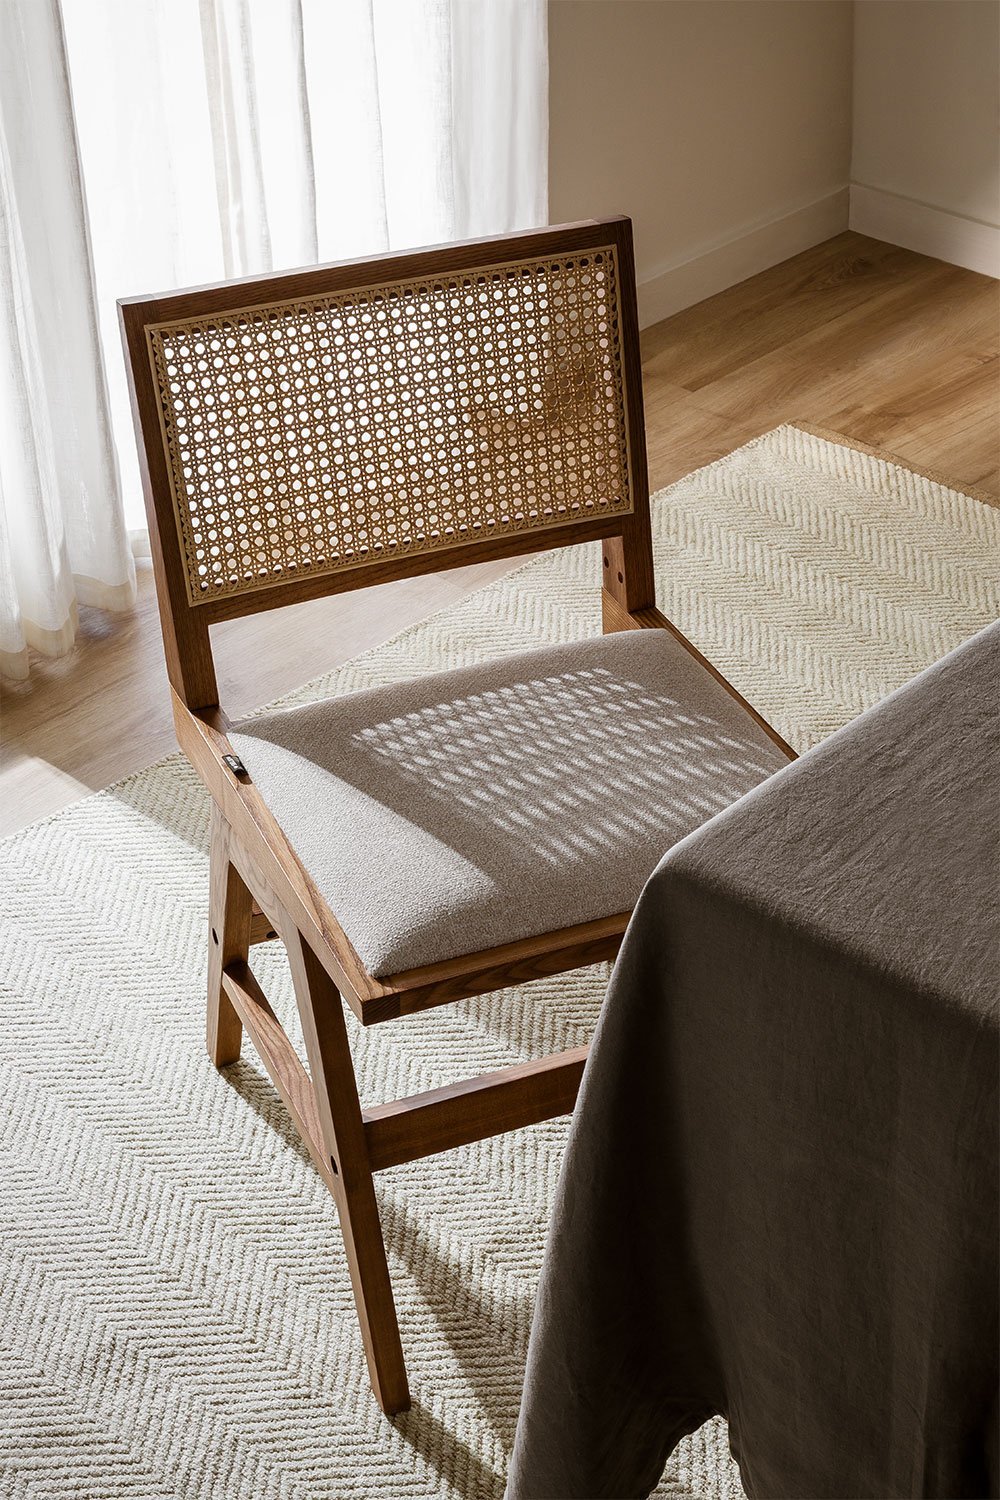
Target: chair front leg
[(335, 1087), (230, 910)]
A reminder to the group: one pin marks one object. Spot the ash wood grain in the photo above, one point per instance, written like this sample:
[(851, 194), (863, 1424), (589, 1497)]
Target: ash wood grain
[(343, 1134), (628, 555), (280, 1059), (493, 549), (229, 921), (474, 1109), (262, 929), (496, 968), (186, 647)]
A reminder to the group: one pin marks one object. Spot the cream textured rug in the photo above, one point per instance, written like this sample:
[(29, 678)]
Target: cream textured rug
[(174, 1304)]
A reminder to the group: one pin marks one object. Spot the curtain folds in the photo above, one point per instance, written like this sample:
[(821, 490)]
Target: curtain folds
[(62, 533), (215, 138)]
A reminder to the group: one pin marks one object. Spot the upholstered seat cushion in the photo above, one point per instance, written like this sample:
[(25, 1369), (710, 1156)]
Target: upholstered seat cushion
[(471, 808)]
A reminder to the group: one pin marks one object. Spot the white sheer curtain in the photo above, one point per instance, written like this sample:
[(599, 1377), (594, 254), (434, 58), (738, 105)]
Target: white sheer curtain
[(62, 536), (226, 137)]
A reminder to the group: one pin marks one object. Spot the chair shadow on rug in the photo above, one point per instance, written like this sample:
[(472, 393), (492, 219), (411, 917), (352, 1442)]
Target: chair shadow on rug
[(453, 1460), (450, 1299), (450, 1458), (319, 431)]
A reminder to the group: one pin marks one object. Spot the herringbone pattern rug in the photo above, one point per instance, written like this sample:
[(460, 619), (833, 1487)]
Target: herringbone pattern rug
[(174, 1305)]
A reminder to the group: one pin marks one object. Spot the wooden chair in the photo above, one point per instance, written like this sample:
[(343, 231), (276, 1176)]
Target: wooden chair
[(306, 433)]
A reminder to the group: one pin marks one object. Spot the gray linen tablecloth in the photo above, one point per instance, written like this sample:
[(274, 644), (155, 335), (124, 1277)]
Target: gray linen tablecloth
[(779, 1199)]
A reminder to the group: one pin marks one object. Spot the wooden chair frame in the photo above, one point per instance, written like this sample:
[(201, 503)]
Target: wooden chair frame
[(259, 889)]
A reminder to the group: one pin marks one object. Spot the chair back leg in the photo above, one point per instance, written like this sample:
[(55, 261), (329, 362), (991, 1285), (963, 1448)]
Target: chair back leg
[(230, 908)]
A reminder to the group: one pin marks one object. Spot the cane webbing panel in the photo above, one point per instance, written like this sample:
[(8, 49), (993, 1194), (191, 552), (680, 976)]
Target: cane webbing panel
[(308, 437)]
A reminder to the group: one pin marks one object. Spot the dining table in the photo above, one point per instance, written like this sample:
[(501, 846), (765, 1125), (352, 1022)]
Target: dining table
[(778, 1202)]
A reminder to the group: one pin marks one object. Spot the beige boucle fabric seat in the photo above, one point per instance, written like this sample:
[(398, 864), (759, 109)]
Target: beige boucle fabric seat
[(459, 811)]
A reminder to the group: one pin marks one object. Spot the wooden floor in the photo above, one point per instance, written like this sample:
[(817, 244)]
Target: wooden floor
[(889, 348)]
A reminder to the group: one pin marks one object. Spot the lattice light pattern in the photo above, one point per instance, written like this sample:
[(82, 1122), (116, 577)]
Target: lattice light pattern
[(308, 437)]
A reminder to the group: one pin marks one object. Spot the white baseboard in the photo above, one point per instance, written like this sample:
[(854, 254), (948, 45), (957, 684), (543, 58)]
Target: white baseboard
[(929, 231), (721, 265)]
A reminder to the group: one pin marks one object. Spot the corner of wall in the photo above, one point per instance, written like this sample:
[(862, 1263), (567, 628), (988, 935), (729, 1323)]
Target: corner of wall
[(925, 229), (754, 249)]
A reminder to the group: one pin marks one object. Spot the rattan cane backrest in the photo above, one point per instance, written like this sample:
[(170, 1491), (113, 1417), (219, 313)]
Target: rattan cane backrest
[(311, 435)]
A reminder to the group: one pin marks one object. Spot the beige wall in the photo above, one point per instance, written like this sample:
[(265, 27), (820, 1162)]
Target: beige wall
[(927, 103), (926, 160), (721, 126)]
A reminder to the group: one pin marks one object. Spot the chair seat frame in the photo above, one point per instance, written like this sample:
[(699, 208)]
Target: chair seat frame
[(259, 890)]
